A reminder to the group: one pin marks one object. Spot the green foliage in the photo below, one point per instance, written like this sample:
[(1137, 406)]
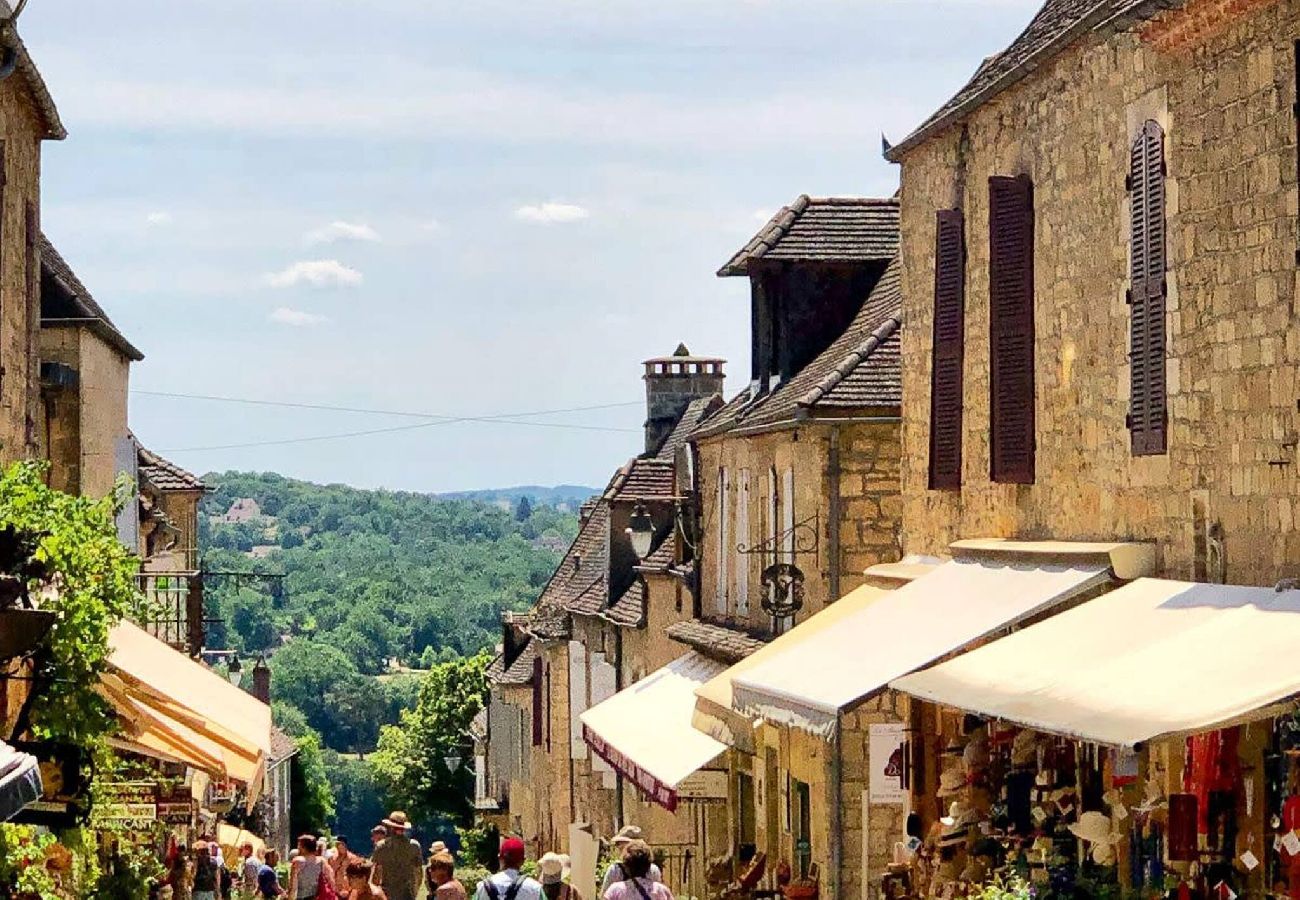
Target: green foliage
[(359, 798), (96, 578), (1013, 888), (309, 785), (411, 759), (479, 844)]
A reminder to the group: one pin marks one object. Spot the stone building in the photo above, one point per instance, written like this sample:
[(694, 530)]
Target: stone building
[(1099, 266)]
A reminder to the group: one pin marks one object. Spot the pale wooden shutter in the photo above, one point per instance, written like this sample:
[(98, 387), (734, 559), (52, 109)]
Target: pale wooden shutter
[(948, 351), (1148, 404), (742, 537), (1011, 329)]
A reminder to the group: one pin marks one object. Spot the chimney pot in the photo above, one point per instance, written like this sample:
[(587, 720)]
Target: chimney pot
[(672, 383)]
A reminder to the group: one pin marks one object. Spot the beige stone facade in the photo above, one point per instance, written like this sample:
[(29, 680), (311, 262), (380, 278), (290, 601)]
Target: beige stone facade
[(1222, 502)]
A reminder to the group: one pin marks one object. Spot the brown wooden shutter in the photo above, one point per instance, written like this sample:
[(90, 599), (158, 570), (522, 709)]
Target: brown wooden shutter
[(948, 352), (1011, 329), (539, 700), (1148, 404)]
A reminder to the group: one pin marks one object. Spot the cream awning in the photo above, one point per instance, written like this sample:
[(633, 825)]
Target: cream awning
[(232, 841), (715, 711), (645, 730), (182, 710), (987, 587), (1152, 659)]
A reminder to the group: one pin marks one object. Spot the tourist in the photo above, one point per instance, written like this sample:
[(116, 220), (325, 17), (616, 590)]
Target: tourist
[(441, 877), (248, 869), (306, 870), (626, 835), (206, 880), (268, 882), (377, 835), (358, 873), (398, 860), (554, 871), (180, 869), (343, 857), (637, 884), (509, 884)]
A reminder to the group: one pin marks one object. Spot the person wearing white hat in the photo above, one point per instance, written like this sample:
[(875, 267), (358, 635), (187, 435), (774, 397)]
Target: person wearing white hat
[(614, 874), (553, 870)]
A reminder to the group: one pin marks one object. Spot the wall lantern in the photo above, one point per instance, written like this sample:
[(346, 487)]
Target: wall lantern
[(235, 669), (641, 531)]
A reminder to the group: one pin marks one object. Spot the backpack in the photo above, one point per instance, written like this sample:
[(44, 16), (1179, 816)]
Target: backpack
[(511, 892)]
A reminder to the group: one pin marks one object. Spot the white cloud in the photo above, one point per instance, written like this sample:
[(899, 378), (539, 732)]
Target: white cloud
[(551, 213), (339, 230), (158, 217), (295, 317), (315, 272)]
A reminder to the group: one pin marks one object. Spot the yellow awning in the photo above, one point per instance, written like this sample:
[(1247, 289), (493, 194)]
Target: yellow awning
[(182, 710), (233, 839), (1151, 659), (715, 711), (987, 587), (645, 730)]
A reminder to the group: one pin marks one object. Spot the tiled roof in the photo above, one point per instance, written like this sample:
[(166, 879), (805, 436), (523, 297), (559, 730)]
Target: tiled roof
[(824, 229), (550, 623), (80, 307), (695, 414), (478, 726), (629, 609), (49, 114), (581, 582), (520, 670), (662, 557), (165, 475), (1057, 24), (282, 746), (861, 368), (715, 641), (647, 478)]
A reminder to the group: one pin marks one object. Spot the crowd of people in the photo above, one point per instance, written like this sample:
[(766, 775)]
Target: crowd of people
[(396, 869)]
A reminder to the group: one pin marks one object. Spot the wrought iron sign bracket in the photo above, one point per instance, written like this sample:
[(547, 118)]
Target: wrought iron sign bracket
[(801, 539)]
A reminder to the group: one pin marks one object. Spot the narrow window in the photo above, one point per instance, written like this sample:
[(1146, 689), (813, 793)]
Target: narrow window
[(1011, 329), (724, 551), (742, 538), (538, 700), (1148, 403), (948, 351)]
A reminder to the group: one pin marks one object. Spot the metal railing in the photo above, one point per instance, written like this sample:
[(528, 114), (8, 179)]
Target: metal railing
[(176, 599)]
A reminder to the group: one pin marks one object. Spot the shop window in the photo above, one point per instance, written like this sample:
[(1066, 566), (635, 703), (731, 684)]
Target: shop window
[(1011, 329)]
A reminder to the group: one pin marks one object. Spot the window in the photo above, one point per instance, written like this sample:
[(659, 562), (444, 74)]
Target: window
[(1148, 403), (948, 350), (1011, 329), (802, 815), (747, 824), (724, 549), (538, 700), (742, 537)]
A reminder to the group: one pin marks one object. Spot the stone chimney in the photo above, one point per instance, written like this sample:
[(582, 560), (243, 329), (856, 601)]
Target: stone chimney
[(262, 681), (671, 384)]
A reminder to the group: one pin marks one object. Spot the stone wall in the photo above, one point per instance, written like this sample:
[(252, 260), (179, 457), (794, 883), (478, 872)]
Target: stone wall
[(870, 510), (103, 383), (1230, 475)]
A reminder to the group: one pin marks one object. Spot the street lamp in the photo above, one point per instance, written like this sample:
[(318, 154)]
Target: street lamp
[(641, 531), (453, 761), (234, 669)]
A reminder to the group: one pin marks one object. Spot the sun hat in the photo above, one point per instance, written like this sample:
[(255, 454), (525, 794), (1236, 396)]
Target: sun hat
[(1024, 748), (626, 835), (951, 781), (553, 868), (1094, 827), (437, 847), (398, 820)]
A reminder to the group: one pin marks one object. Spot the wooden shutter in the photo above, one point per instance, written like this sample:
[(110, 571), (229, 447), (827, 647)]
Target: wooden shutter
[(539, 701), (1011, 329), (948, 350), (1148, 404)]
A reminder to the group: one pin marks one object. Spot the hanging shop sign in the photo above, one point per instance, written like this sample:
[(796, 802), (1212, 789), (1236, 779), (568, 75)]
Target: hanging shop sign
[(706, 784), (887, 757), (783, 594), (127, 804), (176, 805)]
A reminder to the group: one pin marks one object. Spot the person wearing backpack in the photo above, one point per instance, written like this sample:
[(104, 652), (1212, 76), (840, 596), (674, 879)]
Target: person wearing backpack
[(509, 884), (636, 883)]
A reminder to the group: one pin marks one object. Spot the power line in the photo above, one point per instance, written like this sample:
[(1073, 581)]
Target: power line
[(497, 419)]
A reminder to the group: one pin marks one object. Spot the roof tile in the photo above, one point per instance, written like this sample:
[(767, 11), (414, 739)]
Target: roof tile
[(718, 642), (824, 229), (79, 305), (165, 475)]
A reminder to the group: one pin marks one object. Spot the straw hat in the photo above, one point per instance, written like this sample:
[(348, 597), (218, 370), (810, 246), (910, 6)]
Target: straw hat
[(553, 868), (626, 835), (1024, 748), (976, 754), (397, 820), (951, 781), (1094, 827)]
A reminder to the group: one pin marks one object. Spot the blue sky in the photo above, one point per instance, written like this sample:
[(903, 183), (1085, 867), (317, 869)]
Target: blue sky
[(465, 209)]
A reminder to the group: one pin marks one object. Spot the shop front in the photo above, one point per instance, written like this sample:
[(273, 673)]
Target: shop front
[(1144, 743)]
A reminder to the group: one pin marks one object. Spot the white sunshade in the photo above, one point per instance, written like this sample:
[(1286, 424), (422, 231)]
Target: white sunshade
[(949, 608), (645, 730), (1154, 658)]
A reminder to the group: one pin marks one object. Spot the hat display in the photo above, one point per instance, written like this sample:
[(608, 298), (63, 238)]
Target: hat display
[(626, 835), (976, 753), (951, 781), (553, 868), (1024, 748), (1095, 828), (397, 820)]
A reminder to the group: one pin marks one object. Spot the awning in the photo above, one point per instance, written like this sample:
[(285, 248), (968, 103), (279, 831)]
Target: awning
[(645, 732), (233, 839), (1152, 659), (20, 781), (987, 587), (715, 711), (181, 710)]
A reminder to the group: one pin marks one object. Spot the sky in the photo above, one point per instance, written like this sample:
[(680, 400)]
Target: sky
[(454, 209)]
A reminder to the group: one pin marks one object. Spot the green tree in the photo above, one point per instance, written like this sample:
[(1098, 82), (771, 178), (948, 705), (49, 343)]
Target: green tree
[(411, 761), (524, 509), (304, 673), (309, 782)]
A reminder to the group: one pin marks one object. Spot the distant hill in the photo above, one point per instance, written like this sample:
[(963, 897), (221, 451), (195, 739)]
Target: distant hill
[(562, 496)]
